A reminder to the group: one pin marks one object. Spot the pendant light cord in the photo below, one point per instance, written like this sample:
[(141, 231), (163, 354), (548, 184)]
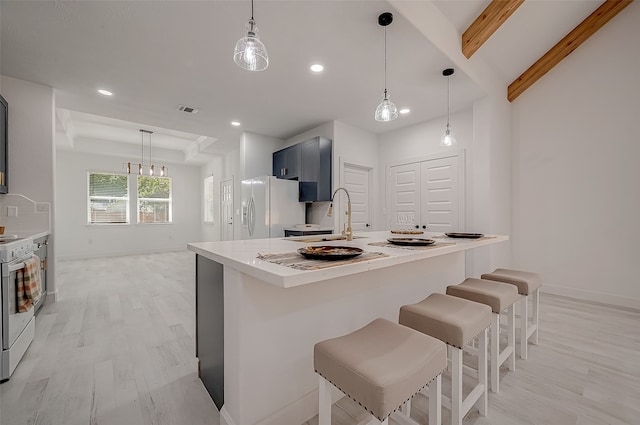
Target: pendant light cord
[(448, 98), (385, 62), (252, 10)]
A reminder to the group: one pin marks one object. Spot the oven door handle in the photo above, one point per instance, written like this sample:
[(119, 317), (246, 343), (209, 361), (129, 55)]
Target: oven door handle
[(15, 267)]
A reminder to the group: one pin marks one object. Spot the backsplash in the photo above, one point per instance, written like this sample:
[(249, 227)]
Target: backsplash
[(317, 214), (23, 217)]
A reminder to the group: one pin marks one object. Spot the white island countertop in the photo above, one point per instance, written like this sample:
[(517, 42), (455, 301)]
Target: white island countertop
[(242, 255)]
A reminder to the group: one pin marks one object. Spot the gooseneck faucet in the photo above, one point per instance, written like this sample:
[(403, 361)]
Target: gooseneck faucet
[(347, 232)]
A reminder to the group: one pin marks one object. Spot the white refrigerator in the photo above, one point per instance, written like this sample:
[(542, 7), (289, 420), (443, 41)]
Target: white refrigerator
[(268, 205)]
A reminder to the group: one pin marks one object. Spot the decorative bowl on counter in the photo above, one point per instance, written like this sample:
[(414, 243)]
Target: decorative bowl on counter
[(464, 235), (328, 252), (411, 241), (407, 232)]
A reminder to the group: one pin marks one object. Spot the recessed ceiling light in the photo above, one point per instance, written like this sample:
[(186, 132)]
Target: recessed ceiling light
[(235, 123), (405, 110), (105, 92), (317, 67)]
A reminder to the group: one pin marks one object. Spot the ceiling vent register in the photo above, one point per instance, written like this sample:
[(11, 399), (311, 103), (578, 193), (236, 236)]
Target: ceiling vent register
[(187, 109)]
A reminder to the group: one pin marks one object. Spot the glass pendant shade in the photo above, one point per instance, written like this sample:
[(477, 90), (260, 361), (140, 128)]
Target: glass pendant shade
[(448, 139), (386, 110), (250, 53)]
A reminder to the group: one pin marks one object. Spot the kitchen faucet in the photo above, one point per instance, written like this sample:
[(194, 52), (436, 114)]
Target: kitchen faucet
[(347, 232)]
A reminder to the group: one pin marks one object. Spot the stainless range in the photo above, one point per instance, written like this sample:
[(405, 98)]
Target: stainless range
[(18, 329)]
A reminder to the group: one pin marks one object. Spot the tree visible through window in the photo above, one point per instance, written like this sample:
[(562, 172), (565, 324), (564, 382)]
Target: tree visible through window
[(154, 199), (108, 200)]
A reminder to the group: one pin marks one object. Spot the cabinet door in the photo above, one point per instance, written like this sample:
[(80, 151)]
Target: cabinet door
[(286, 163), (325, 169), (310, 160), (315, 165), (279, 163)]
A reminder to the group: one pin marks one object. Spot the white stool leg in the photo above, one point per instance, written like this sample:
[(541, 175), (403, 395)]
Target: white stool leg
[(456, 385), (495, 352), (524, 324), (435, 401), (324, 402), (406, 408), (511, 337), (483, 401), (536, 306)]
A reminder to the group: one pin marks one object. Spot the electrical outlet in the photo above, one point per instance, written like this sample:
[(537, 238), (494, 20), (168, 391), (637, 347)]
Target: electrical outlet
[(42, 207), (12, 211)]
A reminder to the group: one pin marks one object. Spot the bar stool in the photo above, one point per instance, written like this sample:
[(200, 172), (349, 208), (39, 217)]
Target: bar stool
[(380, 366), (499, 296), (457, 322), (528, 284)]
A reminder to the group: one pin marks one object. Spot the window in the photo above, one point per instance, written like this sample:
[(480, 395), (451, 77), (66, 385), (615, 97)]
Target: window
[(108, 200), (154, 199), (208, 200)]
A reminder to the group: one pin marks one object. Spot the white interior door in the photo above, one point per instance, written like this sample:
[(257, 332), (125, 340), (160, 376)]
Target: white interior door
[(357, 181), (403, 182), (440, 194), (226, 210)]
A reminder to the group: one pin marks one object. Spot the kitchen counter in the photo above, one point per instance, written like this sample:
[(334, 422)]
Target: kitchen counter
[(241, 255), (257, 322)]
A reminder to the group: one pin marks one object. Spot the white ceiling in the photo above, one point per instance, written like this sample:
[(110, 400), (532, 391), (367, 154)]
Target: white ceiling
[(155, 55)]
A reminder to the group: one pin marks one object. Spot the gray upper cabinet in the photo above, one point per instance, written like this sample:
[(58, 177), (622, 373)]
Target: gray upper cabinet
[(286, 163), (315, 165), (308, 162)]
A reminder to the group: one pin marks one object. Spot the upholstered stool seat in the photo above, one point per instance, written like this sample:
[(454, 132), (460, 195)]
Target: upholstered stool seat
[(528, 283), (457, 322), (499, 296), (380, 366)]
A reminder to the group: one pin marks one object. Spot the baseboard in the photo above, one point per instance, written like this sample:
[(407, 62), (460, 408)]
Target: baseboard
[(298, 412), (225, 419), (596, 296), (52, 296)]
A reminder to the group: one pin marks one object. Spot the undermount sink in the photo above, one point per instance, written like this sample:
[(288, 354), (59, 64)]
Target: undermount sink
[(322, 238)]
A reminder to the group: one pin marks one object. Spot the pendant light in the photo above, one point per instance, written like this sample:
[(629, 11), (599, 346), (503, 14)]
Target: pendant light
[(386, 110), (143, 168), (448, 139), (250, 53)]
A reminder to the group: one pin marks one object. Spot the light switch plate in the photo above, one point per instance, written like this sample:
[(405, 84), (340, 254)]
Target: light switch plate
[(12, 211)]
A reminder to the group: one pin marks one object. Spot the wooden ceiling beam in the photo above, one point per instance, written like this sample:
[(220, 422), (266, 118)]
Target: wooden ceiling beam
[(566, 46), (491, 18)]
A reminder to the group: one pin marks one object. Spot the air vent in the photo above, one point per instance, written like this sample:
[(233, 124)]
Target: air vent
[(187, 109)]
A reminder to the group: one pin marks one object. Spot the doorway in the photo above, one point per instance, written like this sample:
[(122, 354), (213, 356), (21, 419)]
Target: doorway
[(357, 180)]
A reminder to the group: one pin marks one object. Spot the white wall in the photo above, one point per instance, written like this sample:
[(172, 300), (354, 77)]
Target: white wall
[(31, 149), (256, 152), (357, 147), (76, 239), (575, 166)]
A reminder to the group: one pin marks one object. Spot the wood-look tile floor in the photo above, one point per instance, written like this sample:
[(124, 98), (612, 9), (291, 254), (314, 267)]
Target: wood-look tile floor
[(118, 349)]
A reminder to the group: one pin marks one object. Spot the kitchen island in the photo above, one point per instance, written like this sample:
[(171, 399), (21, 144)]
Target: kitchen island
[(257, 321)]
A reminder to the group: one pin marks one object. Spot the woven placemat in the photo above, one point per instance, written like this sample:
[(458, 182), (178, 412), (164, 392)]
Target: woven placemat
[(298, 262), (484, 238), (412, 247)]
